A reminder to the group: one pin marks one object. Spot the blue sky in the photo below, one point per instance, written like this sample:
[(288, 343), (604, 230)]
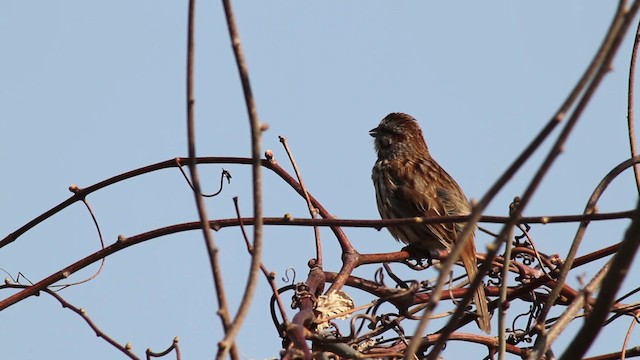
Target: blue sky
[(93, 89)]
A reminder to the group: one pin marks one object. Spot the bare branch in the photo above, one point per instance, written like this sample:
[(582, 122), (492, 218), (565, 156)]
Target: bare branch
[(589, 208), (610, 285), (256, 133), (633, 148), (270, 276), (212, 250), (312, 210)]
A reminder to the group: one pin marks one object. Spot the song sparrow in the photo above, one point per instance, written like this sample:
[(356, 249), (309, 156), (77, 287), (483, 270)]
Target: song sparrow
[(410, 183)]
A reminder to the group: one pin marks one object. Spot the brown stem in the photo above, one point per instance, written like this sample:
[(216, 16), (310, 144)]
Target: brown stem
[(212, 250), (625, 343), (312, 210), (267, 274), (125, 349), (633, 148), (256, 172)]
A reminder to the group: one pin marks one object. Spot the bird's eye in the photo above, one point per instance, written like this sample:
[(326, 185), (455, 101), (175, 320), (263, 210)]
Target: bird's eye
[(387, 130)]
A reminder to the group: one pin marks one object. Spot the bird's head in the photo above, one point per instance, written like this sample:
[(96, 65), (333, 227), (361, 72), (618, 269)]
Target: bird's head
[(398, 135)]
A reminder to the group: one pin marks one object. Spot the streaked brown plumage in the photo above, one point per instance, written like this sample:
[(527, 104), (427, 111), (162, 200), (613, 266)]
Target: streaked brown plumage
[(410, 183)]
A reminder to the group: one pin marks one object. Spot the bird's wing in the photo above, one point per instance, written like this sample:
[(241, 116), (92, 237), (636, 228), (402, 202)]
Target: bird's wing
[(423, 197)]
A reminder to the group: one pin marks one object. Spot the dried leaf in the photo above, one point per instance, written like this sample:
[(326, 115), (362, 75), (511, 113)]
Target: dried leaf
[(336, 305)]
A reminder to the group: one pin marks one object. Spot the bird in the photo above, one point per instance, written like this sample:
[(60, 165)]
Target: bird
[(408, 182)]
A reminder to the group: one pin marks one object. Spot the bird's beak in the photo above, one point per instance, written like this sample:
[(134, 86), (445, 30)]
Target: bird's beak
[(373, 132)]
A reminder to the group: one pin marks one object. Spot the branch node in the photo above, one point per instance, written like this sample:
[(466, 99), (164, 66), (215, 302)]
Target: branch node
[(269, 155)]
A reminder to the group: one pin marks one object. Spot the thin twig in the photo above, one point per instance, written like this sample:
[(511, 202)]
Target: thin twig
[(95, 223), (504, 304), (312, 210), (174, 346), (625, 343), (224, 175), (125, 349), (267, 274), (534, 247)]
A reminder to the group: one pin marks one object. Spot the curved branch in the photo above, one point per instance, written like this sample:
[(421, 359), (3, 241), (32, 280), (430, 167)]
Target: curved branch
[(81, 193), (633, 148), (606, 296), (272, 165), (256, 133), (212, 249), (573, 250), (124, 242)]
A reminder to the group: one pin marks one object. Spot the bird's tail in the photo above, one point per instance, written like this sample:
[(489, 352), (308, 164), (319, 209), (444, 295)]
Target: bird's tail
[(470, 263)]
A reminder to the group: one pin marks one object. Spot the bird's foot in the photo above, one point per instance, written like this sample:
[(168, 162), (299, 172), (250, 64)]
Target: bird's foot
[(420, 254)]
